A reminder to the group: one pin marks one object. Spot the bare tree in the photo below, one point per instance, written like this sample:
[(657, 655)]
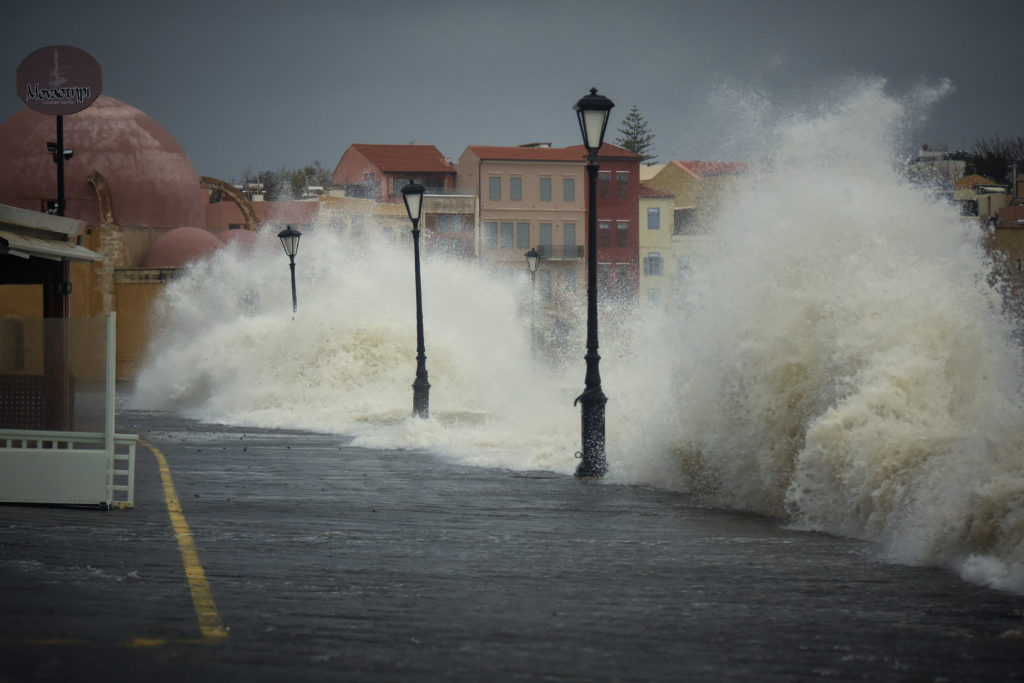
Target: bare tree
[(993, 156)]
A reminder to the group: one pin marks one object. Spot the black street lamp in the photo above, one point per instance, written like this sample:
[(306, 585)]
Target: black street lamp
[(592, 111), (532, 259), (412, 195), (290, 241), (60, 155)]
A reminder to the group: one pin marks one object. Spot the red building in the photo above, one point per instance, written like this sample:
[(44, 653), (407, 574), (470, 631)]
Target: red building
[(379, 171), (618, 221)]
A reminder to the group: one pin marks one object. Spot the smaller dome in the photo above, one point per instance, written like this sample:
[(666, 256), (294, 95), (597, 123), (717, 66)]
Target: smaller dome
[(179, 247)]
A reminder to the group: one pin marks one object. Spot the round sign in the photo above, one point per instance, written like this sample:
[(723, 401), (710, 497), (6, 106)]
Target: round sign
[(59, 79)]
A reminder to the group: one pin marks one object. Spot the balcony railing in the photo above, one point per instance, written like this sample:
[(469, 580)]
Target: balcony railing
[(560, 252)]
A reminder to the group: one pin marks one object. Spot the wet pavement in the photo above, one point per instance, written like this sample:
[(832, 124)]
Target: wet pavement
[(317, 561)]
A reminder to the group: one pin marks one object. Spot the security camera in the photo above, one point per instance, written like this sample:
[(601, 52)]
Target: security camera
[(51, 147), (68, 153)]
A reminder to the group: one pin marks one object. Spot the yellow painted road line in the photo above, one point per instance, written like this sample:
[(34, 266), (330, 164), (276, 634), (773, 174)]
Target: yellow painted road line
[(202, 599)]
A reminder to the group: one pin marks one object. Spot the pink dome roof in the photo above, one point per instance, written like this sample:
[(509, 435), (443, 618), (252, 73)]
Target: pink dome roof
[(179, 247), (152, 182)]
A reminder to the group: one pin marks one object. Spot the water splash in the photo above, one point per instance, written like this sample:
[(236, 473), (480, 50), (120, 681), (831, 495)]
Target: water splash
[(227, 348), (843, 361), (840, 361)]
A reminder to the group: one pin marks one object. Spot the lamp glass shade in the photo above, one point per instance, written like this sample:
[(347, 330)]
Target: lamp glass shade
[(532, 258), (290, 240), (412, 195), (592, 111)]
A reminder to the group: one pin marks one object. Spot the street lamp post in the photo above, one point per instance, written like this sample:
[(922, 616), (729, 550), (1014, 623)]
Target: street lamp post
[(290, 241), (57, 344), (412, 195), (61, 155), (592, 112), (532, 259)]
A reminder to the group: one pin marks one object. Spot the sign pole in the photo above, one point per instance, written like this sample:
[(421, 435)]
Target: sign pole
[(58, 80)]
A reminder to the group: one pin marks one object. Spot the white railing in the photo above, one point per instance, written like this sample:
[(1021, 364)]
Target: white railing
[(67, 468), (71, 468)]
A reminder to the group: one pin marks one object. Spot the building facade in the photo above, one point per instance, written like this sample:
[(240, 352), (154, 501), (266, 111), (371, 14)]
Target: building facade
[(380, 171), (656, 248), (530, 197), (618, 222), (699, 188)]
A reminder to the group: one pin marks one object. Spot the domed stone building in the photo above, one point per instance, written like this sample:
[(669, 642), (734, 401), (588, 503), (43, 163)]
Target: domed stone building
[(126, 168), (137, 191)]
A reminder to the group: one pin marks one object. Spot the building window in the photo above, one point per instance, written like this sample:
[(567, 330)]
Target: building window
[(447, 245), (604, 234), (515, 189), (544, 284), (653, 264), (506, 236), (684, 222), (682, 268), (569, 189), (622, 183), (494, 188), (569, 240), (545, 240), (604, 183), (622, 232), (653, 218), (545, 189), (569, 282), (491, 235), (449, 222), (654, 295), (622, 280), (522, 235), (398, 184)]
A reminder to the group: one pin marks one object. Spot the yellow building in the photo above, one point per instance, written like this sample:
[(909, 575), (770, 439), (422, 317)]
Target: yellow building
[(657, 256), (699, 188), (684, 194)]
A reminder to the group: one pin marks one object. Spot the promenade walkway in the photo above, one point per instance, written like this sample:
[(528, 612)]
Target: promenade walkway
[(263, 555)]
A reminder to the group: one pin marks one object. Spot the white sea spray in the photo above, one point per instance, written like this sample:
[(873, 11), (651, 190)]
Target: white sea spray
[(840, 360)]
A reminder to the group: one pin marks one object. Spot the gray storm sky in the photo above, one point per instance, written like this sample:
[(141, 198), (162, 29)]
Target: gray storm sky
[(261, 85)]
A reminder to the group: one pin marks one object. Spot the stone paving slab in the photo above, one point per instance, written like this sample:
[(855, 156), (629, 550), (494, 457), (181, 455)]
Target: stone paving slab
[(328, 562)]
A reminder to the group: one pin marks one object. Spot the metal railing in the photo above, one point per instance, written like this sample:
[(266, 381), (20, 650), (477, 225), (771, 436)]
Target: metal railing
[(560, 252)]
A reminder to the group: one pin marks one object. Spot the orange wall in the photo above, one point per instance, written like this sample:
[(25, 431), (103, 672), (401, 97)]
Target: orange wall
[(21, 301), (134, 300)]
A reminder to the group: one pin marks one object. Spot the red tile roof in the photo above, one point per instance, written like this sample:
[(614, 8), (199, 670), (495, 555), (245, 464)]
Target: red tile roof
[(704, 169), (970, 181), (526, 153), (653, 193), (608, 150), (574, 153), (405, 158)]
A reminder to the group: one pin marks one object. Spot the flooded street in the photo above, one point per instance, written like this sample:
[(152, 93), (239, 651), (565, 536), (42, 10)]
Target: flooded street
[(331, 562)]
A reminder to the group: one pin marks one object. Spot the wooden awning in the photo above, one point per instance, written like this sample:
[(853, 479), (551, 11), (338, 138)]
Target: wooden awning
[(28, 234)]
